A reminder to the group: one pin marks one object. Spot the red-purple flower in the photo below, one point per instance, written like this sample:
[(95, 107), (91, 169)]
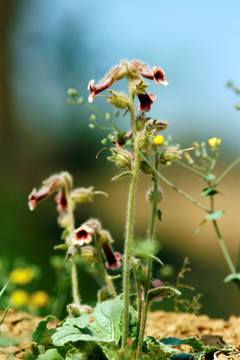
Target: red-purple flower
[(83, 235), (94, 90), (113, 258), (36, 196), (146, 100), (61, 201)]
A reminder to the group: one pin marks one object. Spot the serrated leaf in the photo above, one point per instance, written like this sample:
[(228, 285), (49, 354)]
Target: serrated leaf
[(214, 215), (209, 177), (51, 354), (159, 214), (155, 349), (191, 341), (117, 177), (80, 321), (149, 256), (232, 277), (42, 334), (163, 291)]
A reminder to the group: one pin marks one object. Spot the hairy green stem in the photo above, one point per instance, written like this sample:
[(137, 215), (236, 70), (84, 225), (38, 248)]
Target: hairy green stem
[(227, 171), (171, 185), (129, 228), (76, 298), (190, 168), (149, 265), (107, 278)]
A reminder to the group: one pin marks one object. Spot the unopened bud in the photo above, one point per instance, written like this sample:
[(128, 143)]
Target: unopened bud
[(88, 254), (138, 87), (122, 158), (72, 92), (146, 169), (170, 154), (142, 141), (91, 126), (118, 99), (188, 158), (150, 194), (82, 195), (74, 309), (108, 116), (92, 117), (80, 100), (104, 141), (141, 120), (104, 236)]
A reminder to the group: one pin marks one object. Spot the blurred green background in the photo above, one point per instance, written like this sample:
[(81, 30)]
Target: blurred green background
[(49, 46)]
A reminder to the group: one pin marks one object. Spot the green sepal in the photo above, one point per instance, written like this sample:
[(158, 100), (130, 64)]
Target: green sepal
[(125, 173), (209, 191), (209, 177), (163, 291), (61, 247)]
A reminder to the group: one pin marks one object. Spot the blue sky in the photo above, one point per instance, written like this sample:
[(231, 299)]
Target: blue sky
[(196, 43)]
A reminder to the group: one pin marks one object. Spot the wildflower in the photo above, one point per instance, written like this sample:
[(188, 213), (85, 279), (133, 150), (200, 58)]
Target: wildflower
[(157, 74), (122, 158), (146, 100), (76, 310), (19, 298), (158, 140), (61, 201), (83, 235), (38, 299), (113, 258), (170, 154), (156, 283), (21, 276), (49, 186), (214, 142)]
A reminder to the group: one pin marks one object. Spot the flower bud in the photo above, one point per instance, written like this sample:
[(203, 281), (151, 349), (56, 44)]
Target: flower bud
[(88, 254), (158, 140), (150, 194), (104, 236), (142, 140), (145, 168), (170, 154), (82, 195), (138, 87), (122, 158), (141, 120), (188, 158), (92, 117), (72, 92), (118, 99)]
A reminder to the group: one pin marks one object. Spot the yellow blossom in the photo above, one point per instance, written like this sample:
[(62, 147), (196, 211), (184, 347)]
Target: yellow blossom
[(214, 142), (19, 298), (38, 299), (21, 276), (158, 140)]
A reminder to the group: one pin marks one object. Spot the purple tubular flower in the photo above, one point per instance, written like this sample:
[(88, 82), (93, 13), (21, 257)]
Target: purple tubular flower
[(146, 100), (156, 283), (94, 90), (113, 258), (83, 235), (36, 196)]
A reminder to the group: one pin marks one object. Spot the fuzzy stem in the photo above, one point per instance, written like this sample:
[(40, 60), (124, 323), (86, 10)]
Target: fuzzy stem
[(76, 298), (149, 265), (190, 168), (171, 185), (129, 227), (227, 171)]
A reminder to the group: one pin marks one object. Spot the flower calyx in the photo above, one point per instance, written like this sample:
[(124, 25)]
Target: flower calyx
[(170, 154), (118, 99), (122, 158)]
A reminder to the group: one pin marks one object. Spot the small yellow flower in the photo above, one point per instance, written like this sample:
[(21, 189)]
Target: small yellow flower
[(19, 298), (21, 276), (158, 140), (38, 299), (214, 142)]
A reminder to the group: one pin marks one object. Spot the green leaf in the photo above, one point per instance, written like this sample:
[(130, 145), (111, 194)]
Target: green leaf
[(182, 356), (214, 215), (155, 349), (51, 354), (42, 334), (108, 320), (117, 177), (232, 277), (209, 191), (4, 288), (159, 214), (5, 313), (81, 321), (66, 334), (209, 177), (191, 341), (200, 225), (161, 292), (149, 256)]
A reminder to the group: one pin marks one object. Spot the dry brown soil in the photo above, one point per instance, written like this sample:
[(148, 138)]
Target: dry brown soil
[(160, 324)]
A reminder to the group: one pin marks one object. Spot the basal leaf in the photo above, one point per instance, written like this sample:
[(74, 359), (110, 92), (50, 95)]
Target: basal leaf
[(232, 277), (42, 334), (51, 354), (79, 321), (161, 292), (191, 341), (155, 349), (108, 320)]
